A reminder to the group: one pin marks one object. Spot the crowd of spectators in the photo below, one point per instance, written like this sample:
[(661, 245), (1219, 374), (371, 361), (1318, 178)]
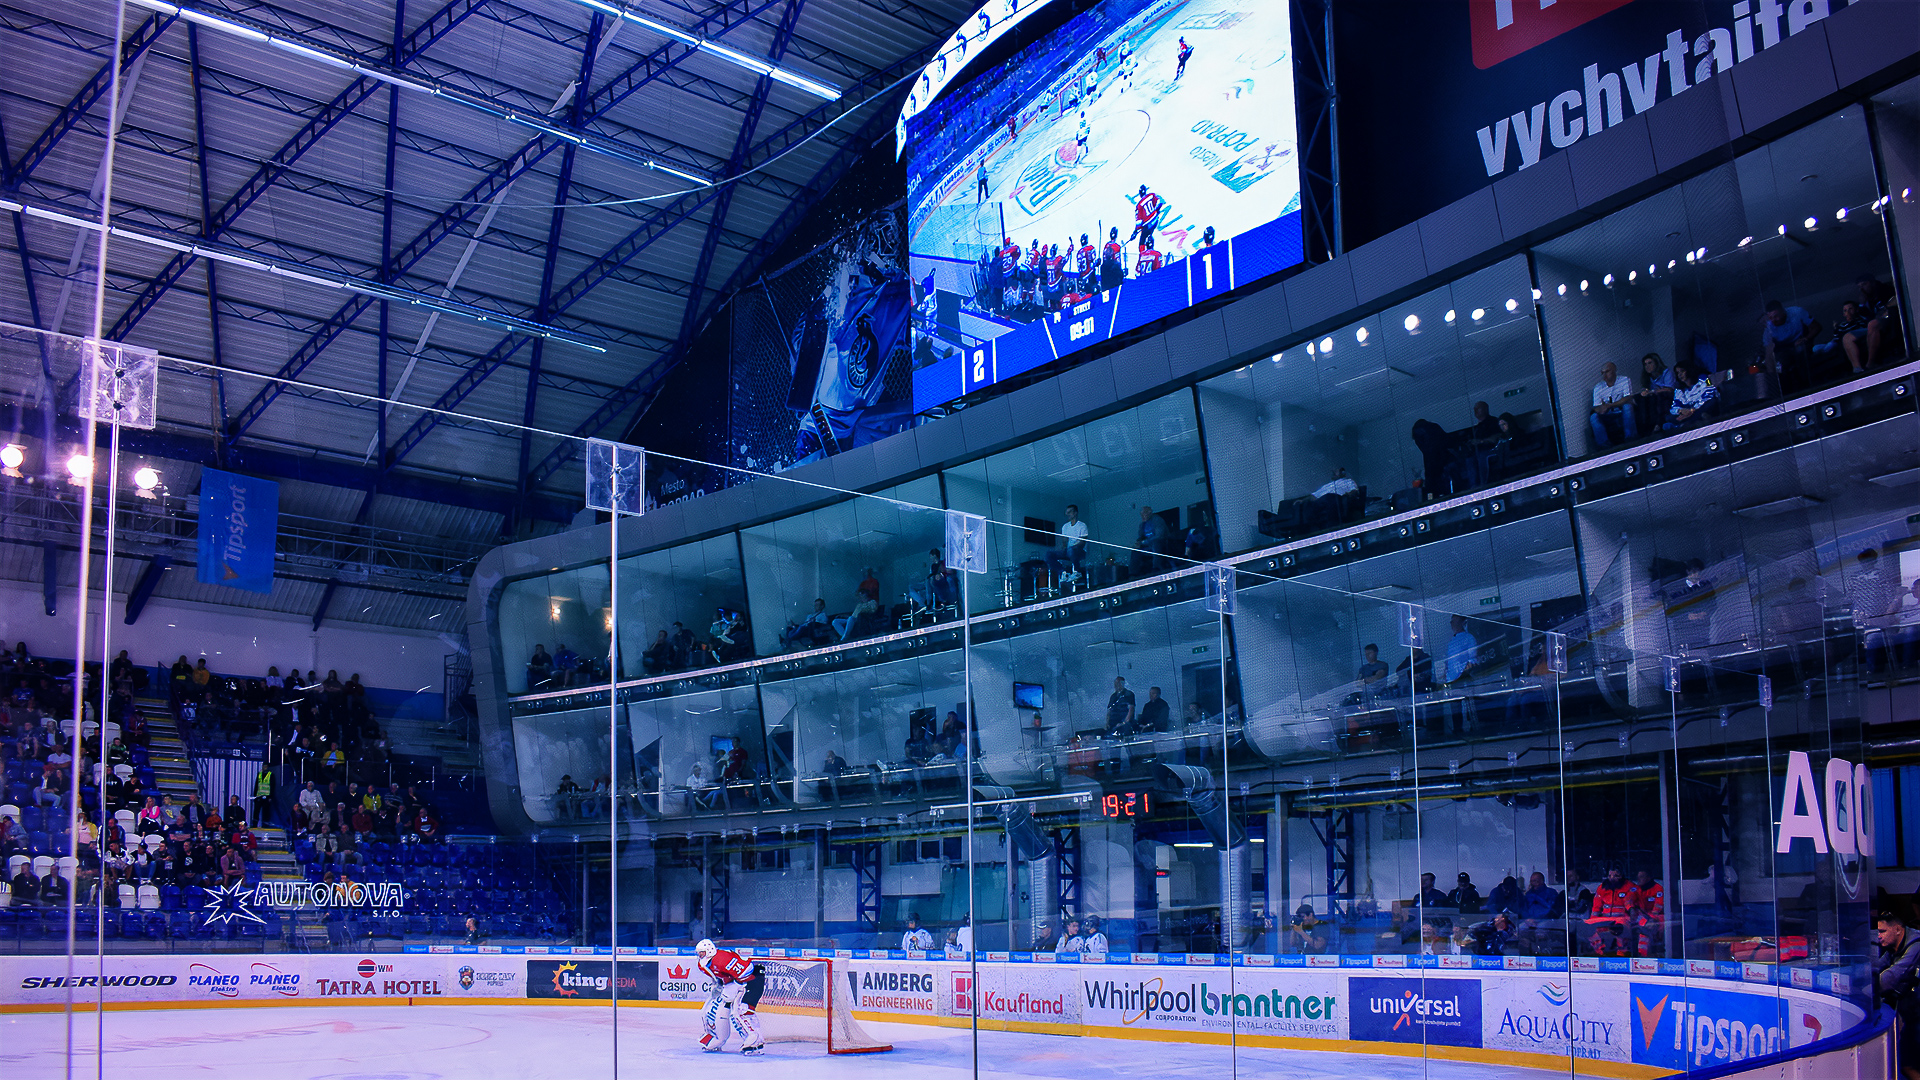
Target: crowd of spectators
[(335, 819), (1619, 917)]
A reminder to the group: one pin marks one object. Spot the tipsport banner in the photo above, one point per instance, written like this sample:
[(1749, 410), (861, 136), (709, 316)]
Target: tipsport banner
[(239, 519)]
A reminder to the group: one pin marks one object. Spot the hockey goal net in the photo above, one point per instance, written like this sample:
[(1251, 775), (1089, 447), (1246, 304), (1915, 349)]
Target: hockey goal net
[(809, 1001)]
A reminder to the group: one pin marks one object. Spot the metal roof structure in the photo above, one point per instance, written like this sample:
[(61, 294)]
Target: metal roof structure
[(429, 201), (510, 218)]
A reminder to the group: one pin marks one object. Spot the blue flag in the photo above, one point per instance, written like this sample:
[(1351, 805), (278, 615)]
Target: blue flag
[(239, 518)]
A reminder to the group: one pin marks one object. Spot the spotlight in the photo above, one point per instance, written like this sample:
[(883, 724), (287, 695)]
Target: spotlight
[(1450, 316), (1633, 275), (1840, 214), (1326, 345), (1783, 230), (1583, 284), (1671, 263), (1277, 356), (1536, 294), (1479, 313), (1689, 256), (1512, 304), (79, 468), (1563, 289), (1413, 324), (1700, 253), (1812, 224), (1312, 349), (1360, 335), (145, 480), (1745, 240), (1652, 269), (12, 456), (1607, 281)]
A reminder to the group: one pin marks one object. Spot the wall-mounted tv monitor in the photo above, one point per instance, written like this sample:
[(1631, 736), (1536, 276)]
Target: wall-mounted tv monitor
[(1066, 195), (720, 745), (1028, 695)]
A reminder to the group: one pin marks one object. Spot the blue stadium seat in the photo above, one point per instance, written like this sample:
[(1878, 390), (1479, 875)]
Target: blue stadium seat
[(170, 898)]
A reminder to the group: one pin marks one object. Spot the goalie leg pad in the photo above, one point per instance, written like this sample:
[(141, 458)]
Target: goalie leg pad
[(713, 1037), (748, 1025)]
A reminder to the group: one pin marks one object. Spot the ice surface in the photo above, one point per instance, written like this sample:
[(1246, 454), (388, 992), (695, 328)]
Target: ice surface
[(526, 1042)]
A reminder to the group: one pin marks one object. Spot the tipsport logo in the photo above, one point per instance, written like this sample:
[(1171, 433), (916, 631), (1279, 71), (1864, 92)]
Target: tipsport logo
[(1695, 1028)]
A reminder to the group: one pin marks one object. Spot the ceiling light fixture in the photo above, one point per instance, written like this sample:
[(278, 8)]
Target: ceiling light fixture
[(732, 56)]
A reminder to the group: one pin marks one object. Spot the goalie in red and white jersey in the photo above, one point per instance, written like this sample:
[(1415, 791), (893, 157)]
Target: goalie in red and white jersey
[(737, 985)]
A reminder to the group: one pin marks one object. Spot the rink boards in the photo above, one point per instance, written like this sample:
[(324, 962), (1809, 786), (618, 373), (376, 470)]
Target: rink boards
[(1638, 1018)]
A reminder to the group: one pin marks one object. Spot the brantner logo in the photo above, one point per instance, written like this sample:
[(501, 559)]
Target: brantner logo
[(1151, 1000)]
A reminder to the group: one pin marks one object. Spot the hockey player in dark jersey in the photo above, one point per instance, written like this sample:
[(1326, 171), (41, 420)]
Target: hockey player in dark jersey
[(1036, 270), (1087, 262), (1009, 275), (1112, 270), (1056, 277), (737, 985)]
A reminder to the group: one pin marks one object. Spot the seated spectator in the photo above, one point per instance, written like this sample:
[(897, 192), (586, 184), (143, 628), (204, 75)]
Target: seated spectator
[(723, 631), (1606, 924), (233, 867), (832, 768), (1655, 394), (1611, 419), (700, 789), (1646, 919), (1372, 668), (866, 608), (1465, 897), (1149, 542), (1331, 496), (658, 658), (1505, 896), (540, 669), (683, 646), (566, 664), (1694, 401), (1849, 337), (812, 628), (1199, 540), (1786, 342), (1497, 937), (54, 889), (202, 680), (1882, 338)]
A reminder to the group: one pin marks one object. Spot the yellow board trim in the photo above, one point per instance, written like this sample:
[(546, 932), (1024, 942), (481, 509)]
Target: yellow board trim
[(1613, 1070)]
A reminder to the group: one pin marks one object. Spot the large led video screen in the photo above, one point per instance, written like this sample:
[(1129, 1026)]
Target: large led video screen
[(1139, 159)]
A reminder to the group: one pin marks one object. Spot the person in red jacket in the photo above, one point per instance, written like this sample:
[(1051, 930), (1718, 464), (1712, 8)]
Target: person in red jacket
[(1613, 905), (737, 985), (1647, 921)]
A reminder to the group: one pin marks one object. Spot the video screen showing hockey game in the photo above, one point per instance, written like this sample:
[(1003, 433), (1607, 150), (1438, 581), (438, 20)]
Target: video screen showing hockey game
[(1146, 143)]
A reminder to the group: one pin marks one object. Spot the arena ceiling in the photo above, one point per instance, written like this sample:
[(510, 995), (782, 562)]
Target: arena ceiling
[(427, 200)]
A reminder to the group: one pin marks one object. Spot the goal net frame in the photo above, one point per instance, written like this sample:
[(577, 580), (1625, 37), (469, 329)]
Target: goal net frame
[(804, 1001)]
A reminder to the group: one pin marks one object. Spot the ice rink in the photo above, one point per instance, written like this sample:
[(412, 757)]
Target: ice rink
[(474, 1042)]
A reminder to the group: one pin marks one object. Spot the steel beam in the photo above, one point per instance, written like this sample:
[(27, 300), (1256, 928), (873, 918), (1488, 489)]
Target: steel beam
[(357, 92), (333, 580), (75, 110), (50, 576), (157, 566), (442, 226)]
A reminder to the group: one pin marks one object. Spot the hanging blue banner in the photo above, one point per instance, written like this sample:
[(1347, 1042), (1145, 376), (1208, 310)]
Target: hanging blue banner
[(239, 518)]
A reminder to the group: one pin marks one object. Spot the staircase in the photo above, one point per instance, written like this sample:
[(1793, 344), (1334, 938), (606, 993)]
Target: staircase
[(419, 737), (167, 752)]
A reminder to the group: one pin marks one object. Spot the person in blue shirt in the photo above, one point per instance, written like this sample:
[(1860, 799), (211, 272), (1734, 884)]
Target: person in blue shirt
[(1786, 340), (1461, 649), (1694, 401)]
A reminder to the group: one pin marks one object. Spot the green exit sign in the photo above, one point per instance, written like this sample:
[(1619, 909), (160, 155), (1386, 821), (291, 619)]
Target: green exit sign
[(1489, 601), (1199, 648), (1516, 391)]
